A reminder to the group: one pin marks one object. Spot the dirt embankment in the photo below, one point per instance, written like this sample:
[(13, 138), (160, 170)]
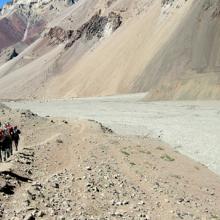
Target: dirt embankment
[(82, 170)]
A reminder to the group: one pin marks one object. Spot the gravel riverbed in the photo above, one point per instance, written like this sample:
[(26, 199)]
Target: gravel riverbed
[(191, 127)]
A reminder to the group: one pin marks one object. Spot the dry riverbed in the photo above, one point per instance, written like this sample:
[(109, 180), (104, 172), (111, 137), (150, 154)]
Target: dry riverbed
[(191, 127)]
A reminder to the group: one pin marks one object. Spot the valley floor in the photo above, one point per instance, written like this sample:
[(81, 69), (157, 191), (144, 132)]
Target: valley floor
[(191, 127), (79, 169)]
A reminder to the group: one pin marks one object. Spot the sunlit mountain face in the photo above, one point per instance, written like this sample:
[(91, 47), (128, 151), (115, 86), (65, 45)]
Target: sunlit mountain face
[(77, 48)]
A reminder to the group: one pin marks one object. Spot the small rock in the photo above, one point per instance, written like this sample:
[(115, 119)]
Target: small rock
[(52, 212), (141, 203), (29, 217), (40, 214), (125, 202), (180, 200), (55, 185)]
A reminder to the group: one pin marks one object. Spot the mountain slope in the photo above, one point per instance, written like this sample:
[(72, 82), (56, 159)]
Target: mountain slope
[(114, 66), (9, 26), (168, 48), (187, 67)]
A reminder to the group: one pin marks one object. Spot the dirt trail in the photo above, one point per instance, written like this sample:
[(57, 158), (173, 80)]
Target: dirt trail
[(81, 170)]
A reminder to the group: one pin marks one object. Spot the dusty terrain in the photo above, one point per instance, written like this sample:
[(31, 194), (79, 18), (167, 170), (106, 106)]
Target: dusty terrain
[(191, 127), (81, 170)]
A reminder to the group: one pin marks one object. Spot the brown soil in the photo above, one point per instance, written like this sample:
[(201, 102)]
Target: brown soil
[(81, 170)]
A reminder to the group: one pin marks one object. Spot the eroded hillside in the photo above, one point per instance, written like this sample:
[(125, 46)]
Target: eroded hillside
[(91, 48)]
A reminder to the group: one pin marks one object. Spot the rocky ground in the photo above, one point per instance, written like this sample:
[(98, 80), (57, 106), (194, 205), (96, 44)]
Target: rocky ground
[(83, 170)]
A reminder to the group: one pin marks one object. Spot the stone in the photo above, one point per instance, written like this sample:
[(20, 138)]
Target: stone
[(141, 203), (95, 28), (29, 217), (89, 168), (13, 54), (41, 214), (55, 185)]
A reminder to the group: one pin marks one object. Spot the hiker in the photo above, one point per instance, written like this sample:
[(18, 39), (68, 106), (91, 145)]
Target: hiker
[(0, 153), (8, 135), (1, 137), (16, 137), (6, 145)]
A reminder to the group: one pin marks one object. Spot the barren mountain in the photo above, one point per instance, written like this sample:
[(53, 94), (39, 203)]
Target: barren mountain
[(87, 48)]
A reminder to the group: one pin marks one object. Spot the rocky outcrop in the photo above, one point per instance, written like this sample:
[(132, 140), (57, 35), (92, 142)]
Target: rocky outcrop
[(115, 20), (58, 35), (71, 2), (166, 2), (13, 54), (216, 12), (93, 28)]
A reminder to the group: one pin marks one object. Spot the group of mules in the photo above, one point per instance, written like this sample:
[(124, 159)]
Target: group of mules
[(9, 136)]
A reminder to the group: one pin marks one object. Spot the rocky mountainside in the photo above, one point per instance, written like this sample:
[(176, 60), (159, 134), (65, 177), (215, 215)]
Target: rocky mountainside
[(24, 20), (167, 48), (187, 66)]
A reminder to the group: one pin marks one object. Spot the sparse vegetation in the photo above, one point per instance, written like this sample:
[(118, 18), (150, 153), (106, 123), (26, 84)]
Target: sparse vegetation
[(125, 152), (132, 163), (145, 152), (166, 157), (215, 217), (59, 141)]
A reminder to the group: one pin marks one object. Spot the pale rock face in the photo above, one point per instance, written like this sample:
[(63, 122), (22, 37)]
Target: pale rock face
[(108, 30)]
